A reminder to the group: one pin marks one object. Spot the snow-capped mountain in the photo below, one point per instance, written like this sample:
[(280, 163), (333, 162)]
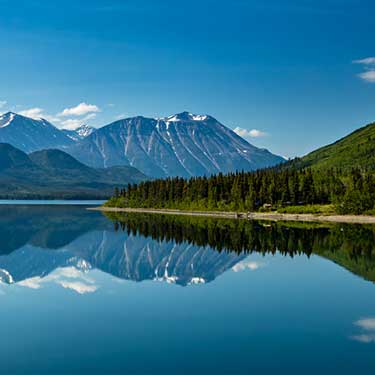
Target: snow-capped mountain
[(180, 145), (79, 133), (30, 135)]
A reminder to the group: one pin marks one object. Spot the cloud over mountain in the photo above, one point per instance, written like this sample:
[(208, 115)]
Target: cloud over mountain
[(80, 110), (253, 133)]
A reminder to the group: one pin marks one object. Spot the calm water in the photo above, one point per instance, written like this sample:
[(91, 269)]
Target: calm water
[(56, 202), (82, 293)]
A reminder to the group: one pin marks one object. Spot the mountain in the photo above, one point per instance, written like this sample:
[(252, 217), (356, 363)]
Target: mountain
[(180, 145), (79, 133), (356, 150), (57, 160), (56, 174), (11, 157), (29, 135)]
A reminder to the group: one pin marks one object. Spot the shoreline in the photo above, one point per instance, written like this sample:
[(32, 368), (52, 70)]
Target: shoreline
[(348, 219)]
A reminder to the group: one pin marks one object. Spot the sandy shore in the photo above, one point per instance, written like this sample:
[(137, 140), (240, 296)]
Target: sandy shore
[(351, 219)]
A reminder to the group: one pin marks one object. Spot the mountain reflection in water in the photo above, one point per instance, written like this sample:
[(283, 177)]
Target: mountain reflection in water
[(58, 243)]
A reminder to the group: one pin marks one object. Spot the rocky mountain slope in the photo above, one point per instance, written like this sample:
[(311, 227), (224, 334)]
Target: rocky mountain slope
[(30, 135), (180, 145), (79, 133)]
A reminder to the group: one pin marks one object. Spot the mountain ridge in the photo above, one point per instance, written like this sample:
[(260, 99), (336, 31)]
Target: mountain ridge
[(179, 145), (56, 174), (79, 133), (183, 144), (355, 150), (29, 134)]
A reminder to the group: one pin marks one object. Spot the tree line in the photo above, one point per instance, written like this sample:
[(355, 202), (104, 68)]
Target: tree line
[(352, 246), (350, 192)]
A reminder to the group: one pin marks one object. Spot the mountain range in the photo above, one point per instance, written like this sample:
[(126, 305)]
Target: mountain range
[(89, 162), (179, 145), (56, 174)]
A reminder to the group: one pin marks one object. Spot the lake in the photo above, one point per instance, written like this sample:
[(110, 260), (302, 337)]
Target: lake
[(49, 202), (85, 293)]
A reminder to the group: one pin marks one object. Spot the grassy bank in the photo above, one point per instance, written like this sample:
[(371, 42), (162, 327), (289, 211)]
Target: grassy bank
[(269, 216), (313, 209)]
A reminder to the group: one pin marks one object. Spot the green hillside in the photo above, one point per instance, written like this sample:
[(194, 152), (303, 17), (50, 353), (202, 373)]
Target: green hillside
[(51, 174), (355, 150)]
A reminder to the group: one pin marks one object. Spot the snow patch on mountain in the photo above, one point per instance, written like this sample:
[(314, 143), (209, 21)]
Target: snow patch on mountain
[(29, 134), (79, 133), (184, 116), (6, 120), (6, 277)]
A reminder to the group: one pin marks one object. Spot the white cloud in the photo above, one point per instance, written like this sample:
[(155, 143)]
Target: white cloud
[(35, 113), (80, 110), (247, 265), (367, 325), (3, 103), (73, 124), (366, 61), (368, 64), (78, 287), (38, 113), (31, 283), (69, 278), (368, 76), (365, 338), (253, 133), (52, 119)]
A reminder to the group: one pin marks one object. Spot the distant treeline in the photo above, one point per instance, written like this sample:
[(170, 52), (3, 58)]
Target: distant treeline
[(350, 192)]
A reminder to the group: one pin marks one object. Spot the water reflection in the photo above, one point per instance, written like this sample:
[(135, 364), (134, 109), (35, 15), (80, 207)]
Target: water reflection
[(61, 245), (367, 327), (270, 297), (351, 246), (69, 278)]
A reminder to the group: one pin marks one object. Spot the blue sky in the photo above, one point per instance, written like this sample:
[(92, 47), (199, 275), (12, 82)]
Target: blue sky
[(283, 68)]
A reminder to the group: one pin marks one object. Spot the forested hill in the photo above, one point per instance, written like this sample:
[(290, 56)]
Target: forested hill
[(53, 174), (341, 175), (252, 191), (356, 150)]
